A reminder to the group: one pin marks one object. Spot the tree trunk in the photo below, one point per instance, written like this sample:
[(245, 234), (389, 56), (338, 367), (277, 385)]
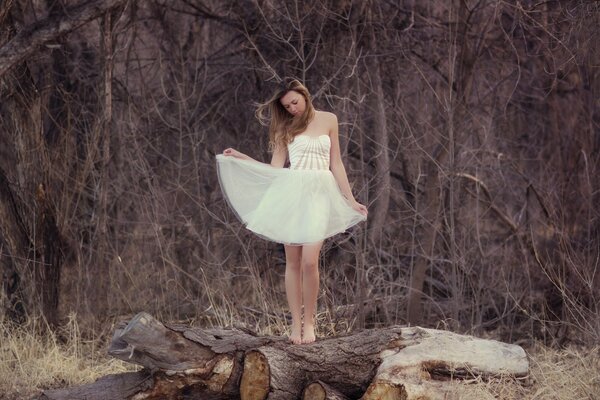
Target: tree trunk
[(14, 246), (433, 211), (33, 224), (428, 207), (197, 363), (380, 140), (49, 248), (102, 243)]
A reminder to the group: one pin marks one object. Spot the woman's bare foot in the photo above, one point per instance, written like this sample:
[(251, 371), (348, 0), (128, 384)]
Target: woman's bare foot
[(296, 335), (308, 333)]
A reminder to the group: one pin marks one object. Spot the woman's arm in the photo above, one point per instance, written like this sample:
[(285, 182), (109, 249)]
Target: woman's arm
[(337, 166), (279, 157), (277, 161)]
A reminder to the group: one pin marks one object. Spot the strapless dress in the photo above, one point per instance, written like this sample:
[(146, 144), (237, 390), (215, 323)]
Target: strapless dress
[(298, 205)]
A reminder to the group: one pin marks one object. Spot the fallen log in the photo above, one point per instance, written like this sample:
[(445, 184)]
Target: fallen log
[(347, 363), (425, 358), (117, 386), (390, 363)]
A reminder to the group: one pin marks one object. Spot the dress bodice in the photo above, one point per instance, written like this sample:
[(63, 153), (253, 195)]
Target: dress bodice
[(309, 152)]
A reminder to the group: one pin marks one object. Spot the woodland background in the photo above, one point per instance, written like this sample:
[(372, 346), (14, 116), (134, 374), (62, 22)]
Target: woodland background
[(469, 128)]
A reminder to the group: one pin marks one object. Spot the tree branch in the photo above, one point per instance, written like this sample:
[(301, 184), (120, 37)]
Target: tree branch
[(27, 41)]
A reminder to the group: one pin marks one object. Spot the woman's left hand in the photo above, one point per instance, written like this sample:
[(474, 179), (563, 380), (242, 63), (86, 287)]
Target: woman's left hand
[(360, 208)]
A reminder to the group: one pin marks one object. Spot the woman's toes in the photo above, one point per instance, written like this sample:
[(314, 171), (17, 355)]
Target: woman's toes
[(296, 335), (309, 334)]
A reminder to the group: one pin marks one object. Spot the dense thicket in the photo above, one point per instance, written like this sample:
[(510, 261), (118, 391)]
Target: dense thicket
[(470, 128)]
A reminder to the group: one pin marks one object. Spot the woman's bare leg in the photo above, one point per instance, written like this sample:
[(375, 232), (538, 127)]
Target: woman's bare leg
[(310, 288), (293, 289)]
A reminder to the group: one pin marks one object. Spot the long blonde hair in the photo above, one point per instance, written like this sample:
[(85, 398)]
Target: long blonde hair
[(282, 126)]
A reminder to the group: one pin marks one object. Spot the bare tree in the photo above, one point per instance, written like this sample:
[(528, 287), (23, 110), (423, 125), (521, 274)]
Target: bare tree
[(469, 127)]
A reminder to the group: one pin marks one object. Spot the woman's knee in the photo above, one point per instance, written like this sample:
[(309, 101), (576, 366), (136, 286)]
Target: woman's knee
[(310, 266), (294, 265)]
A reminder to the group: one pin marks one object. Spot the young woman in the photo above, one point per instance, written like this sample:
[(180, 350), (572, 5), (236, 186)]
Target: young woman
[(299, 206)]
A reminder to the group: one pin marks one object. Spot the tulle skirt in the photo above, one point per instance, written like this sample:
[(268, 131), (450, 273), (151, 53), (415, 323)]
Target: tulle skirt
[(289, 206)]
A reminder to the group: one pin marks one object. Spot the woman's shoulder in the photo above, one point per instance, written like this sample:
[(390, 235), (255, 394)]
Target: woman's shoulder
[(326, 116)]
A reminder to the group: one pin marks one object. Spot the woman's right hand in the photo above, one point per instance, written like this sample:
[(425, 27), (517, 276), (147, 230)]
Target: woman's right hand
[(231, 152), (359, 207)]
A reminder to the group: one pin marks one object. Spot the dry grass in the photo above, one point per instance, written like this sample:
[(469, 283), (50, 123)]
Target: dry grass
[(565, 374), (30, 362)]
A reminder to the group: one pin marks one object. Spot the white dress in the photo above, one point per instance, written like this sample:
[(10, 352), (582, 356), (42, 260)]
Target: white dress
[(298, 205)]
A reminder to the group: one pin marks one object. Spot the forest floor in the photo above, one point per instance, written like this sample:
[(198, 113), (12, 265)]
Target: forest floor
[(30, 362)]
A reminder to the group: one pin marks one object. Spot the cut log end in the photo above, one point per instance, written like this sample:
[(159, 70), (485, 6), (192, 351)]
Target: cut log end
[(255, 377), (381, 390), (321, 391), (314, 391)]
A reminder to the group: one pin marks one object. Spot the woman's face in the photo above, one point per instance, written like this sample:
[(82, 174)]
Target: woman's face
[(294, 103)]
